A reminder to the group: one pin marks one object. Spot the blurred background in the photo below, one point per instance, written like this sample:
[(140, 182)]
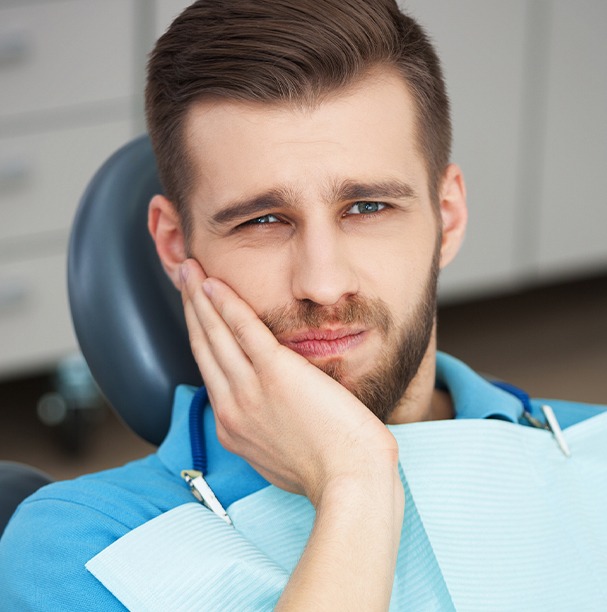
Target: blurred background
[(525, 301)]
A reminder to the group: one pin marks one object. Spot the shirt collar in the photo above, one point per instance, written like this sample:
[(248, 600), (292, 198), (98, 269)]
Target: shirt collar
[(474, 397), (176, 451)]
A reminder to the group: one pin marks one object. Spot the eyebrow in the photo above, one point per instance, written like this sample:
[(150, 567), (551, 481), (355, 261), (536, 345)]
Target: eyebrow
[(249, 207), (281, 197), (353, 190)]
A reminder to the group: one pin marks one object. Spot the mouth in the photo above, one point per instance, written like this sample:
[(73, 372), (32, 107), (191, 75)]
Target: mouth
[(318, 343)]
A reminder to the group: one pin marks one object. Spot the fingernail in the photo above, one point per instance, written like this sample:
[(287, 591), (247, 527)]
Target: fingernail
[(183, 271), (207, 287)]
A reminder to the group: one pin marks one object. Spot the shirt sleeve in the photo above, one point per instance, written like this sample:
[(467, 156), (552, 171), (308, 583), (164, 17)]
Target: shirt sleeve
[(43, 552)]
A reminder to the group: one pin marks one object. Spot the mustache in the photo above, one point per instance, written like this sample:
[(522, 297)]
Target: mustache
[(355, 310)]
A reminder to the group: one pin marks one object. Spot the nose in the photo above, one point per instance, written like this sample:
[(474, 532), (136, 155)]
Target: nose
[(323, 270)]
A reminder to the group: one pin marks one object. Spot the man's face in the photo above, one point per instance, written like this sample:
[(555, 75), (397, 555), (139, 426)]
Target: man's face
[(322, 221)]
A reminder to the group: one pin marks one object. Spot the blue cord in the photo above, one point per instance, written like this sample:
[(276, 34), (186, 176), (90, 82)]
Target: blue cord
[(518, 393), (199, 457)]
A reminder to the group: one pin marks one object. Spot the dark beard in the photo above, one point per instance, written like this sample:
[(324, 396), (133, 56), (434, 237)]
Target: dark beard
[(383, 388)]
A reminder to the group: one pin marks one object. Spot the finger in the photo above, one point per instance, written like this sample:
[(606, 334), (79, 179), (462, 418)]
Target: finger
[(192, 275), (198, 342), (214, 378), (255, 339), (218, 337), (220, 390)]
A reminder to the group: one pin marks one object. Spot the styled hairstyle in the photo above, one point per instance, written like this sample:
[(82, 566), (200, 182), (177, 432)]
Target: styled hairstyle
[(286, 51)]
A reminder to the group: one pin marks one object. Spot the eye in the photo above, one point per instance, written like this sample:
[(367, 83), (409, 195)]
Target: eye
[(365, 208), (262, 220)]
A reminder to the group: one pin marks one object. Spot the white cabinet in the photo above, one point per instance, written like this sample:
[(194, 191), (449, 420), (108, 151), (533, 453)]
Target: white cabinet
[(65, 53), (572, 215), (46, 173), (481, 44), (66, 102), (34, 325), (528, 84)]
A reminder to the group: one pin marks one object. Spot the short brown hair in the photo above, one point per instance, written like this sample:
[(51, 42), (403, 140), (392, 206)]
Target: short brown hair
[(291, 51)]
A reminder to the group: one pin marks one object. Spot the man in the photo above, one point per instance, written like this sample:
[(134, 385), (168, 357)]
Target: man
[(310, 203)]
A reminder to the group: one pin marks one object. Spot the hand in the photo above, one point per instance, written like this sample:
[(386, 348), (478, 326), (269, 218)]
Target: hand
[(307, 434), (298, 427)]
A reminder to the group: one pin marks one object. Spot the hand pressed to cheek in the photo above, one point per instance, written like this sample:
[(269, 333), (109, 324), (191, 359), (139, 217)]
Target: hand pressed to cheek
[(192, 275), (292, 422)]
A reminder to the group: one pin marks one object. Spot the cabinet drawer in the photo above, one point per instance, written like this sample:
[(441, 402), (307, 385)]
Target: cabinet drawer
[(35, 324), (43, 176), (65, 53)]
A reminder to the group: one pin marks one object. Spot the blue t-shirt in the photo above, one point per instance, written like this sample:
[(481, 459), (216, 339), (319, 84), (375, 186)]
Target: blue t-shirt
[(58, 529)]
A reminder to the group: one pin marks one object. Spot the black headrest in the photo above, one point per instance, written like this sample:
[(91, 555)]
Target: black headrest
[(127, 315), (17, 481)]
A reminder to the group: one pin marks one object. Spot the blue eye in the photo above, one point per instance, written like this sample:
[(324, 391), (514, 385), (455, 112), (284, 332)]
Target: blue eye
[(365, 208), (261, 220)]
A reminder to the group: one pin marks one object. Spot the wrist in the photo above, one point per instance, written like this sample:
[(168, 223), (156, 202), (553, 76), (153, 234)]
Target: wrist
[(375, 487)]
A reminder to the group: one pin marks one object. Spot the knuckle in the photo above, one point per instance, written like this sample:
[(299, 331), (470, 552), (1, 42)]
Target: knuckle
[(211, 329), (240, 331), (225, 439), (228, 421)]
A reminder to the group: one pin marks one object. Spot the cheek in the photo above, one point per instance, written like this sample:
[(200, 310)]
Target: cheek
[(258, 279), (401, 276)]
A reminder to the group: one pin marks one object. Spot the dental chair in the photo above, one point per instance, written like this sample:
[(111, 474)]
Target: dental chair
[(17, 481), (127, 315)]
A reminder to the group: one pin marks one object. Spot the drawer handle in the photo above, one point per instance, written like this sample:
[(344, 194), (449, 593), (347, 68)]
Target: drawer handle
[(13, 293), (14, 173), (15, 47)]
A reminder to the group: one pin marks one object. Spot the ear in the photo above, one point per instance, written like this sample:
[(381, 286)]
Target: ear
[(164, 225), (453, 213)]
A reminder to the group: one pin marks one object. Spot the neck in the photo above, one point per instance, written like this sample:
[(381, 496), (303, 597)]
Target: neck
[(421, 401)]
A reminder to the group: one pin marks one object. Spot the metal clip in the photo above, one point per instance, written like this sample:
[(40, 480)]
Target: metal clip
[(556, 430), (551, 425), (204, 494)]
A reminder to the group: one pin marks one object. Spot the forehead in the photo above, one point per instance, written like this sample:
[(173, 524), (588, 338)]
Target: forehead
[(364, 133)]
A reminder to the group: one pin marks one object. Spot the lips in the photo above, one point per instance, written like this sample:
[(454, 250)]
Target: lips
[(323, 342)]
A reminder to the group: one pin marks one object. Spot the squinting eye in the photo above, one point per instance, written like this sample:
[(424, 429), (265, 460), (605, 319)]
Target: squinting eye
[(365, 208), (260, 220)]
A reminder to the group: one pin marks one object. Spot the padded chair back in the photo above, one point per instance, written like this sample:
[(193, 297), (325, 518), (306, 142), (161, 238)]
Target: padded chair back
[(17, 481), (127, 315)]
